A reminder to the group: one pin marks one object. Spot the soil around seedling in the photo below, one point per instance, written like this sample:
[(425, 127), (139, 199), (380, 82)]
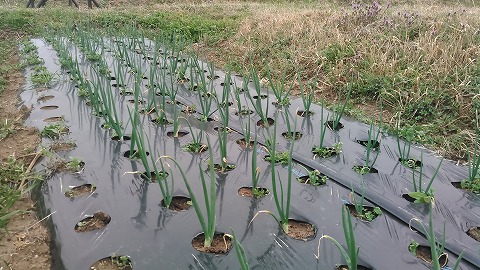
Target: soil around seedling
[(243, 143), (221, 243), (361, 169), (62, 146), (243, 112), (79, 191), (302, 113), (248, 192), (261, 97), (45, 98), (373, 143), (424, 253), (180, 134), (219, 169), (153, 178), (161, 121), (270, 121), (135, 155), (296, 135), (367, 215), (474, 233), (113, 263), (306, 180), (53, 119), (359, 267), (330, 125), (124, 138), (97, 221), (411, 163), (49, 107), (179, 203), (301, 230), (324, 152)]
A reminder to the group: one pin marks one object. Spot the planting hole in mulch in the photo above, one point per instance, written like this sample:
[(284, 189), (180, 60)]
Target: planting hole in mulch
[(261, 97), (315, 178), (219, 169), (148, 111), (213, 78), (411, 162), (270, 122), (369, 213), (323, 152), (243, 112), (221, 129), (179, 203), (221, 243), (161, 121), (302, 113), (223, 84), (62, 146), (114, 262), (361, 169), (424, 253), (80, 190), (188, 110), (195, 147), (296, 135), (53, 119), (203, 119), (474, 233), (243, 143), (116, 85), (126, 93), (153, 178), (124, 138), (132, 101), (135, 155), (180, 134), (91, 223), (112, 78), (249, 192), (345, 267), (161, 94), (373, 143), (330, 125), (301, 230), (45, 98)]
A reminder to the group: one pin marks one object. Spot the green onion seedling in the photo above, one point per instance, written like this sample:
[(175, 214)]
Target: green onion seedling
[(472, 183), (339, 109), (350, 255), (280, 89), (209, 196), (420, 194), (240, 251), (436, 247)]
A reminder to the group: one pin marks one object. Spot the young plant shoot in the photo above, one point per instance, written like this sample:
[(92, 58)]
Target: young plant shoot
[(209, 196), (338, 111), (472, 183), (420, 194), (350, 255), (371, 147)]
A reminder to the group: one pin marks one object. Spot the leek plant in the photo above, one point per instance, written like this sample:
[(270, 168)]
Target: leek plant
[(209, 196), (404, 151), (307, 96), (361, 211), (370, 148), (338, 111), (280, 89), (436, 247), (196, 146), (472, 183), (256, 191), (320, 150), (137, 145), (161, 177), (282, 199), (246, 131), (222, 144), (291, 133), (420, 194), (350, 255), (257, 104), (204, 98), (111, 115), (242, 258)]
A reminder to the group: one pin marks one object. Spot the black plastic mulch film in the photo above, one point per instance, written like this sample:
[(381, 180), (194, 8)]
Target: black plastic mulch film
[(157, 238)]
